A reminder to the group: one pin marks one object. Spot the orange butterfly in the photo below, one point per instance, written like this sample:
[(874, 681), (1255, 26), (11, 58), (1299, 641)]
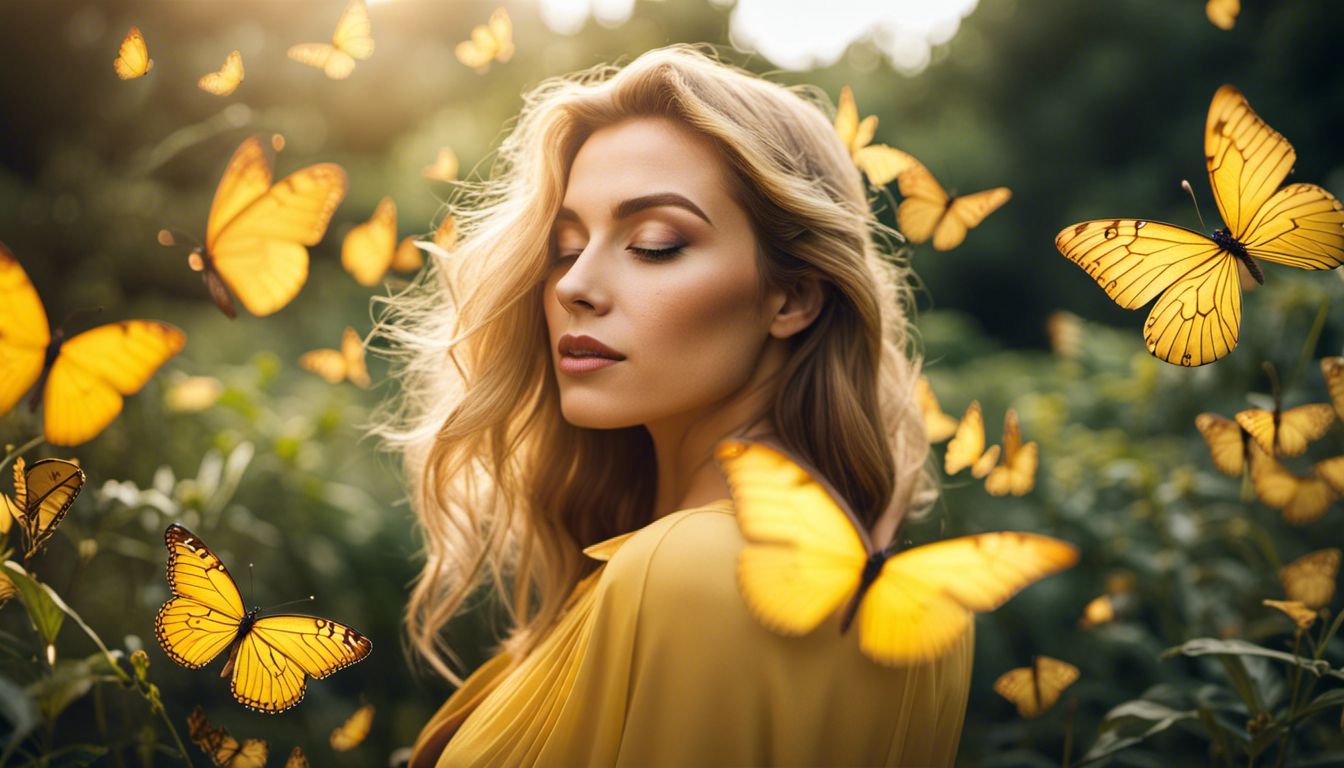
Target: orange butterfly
[(133, 58), (226, 80)]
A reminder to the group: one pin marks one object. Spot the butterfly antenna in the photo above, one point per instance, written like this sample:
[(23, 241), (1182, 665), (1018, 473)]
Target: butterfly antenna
[(175, 237), (251, 586), (308, 599), (1185, 184), (1273, 375)]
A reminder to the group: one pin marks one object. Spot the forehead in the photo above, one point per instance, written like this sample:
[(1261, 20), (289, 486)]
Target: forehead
[(641, 154)]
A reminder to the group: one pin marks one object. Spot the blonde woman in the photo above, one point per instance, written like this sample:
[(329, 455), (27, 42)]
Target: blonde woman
[(668, 254)]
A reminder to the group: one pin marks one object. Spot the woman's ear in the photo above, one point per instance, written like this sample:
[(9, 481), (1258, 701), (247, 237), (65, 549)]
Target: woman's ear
[(801, 305)]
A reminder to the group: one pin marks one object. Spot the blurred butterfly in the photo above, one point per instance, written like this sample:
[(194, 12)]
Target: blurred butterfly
[(492, 41), (192, 394), (1222, 13), (938, 426), (353, 40), (336, 366), (353, 731), (1016, 474), (297, 759), (270, 656), (1300, 500), (444, 167), (807, 556), (1287, 433), (43, 493), (369, 249), (928, 211), (1310, 579), (1332, 369), (1227, 442), (967, 446), (81, 380), (409, 257), (1197, 318), (1099, 610), (256, 232), (879, 162), (1302, 616), (226, 80), (133, 57), (1065, 331), (222, 748), (1035, 689)]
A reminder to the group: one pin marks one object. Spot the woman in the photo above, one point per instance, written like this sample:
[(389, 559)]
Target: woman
[(707, 232)]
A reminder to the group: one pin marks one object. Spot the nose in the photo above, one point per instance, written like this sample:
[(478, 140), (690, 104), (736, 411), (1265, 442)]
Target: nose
[(582, 284)]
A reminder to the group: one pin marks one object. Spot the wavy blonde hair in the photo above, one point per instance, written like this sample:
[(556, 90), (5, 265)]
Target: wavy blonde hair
[(501, 484)]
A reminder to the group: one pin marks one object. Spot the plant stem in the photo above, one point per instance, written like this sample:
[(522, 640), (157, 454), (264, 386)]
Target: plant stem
[(22, 449)]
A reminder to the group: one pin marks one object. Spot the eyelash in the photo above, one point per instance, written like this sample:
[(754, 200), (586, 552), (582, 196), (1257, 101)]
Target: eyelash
[(646, 254)]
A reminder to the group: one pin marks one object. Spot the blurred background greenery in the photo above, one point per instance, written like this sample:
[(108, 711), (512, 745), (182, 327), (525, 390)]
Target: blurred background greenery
[(1084, 109)]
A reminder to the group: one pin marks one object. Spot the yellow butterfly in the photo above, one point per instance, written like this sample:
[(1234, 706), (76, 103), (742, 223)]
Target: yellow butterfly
[(338, 365), (297, 759), (492, 41), (444, 167), (807, 556), (1065, 331), (409, 258), (222, 748), (1035, 689), (82, 379), (1227, 442), (929, 212), (255, 235), (937, 425), (1197, 318), (1310, 579), (1287, 433), (270, 657), (968, 443), (370, 248), (43, 493), (1332, 368), (1017, 473), (353, 40), (879, 162), (1300, 500), (1099, 610), (1222, 13), (1302, 616), (226, 80), (133, 57), (353, 731)]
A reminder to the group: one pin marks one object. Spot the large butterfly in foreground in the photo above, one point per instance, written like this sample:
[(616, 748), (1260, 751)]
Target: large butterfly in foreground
[(82, 380), (807, 556), (256, 233), (270, 657), (352, 40), (1197, 317)]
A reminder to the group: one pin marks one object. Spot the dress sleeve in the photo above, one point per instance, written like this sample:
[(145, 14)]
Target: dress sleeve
[(709, 685)]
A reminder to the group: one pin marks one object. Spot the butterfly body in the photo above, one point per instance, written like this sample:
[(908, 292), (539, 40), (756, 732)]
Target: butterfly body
[(48, 360), (1232, 245), (200, 261), (871, 570), (244, 627)]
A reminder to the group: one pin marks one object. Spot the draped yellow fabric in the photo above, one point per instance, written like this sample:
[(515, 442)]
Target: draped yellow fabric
[(657, 662)]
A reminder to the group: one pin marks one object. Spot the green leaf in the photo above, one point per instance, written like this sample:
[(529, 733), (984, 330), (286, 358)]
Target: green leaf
[(45, 614), (75, 756), (18, 708), (1326, 700), (1131, 723), (68, 682), (1205, 646)]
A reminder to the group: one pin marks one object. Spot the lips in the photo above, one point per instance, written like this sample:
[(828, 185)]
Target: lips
[(586, 346)]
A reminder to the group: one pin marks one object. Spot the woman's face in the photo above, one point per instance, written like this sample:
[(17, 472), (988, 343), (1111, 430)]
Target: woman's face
[(655, 260)]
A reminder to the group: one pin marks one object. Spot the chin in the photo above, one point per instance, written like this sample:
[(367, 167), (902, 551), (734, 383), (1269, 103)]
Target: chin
[(594, 416)]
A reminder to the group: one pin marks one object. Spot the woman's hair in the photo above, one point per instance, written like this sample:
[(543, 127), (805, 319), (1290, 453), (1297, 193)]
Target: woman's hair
[(500, 482)]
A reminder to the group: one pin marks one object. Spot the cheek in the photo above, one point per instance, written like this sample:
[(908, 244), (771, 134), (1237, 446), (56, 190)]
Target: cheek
[(708, 320)]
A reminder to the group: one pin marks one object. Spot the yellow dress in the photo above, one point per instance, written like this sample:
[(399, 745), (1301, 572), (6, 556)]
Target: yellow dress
[(656, 662)]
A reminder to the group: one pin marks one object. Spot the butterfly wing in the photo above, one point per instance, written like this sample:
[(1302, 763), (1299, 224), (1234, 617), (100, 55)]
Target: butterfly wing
[(133, 57), (1222, 13), (354, 34), (1310, 501), (227, 79), (353, 731), (327, 363), (1332, 472), (1247, 160), (205, 612), (260, 252), (1301, 226), (445, 235), (352, 350), (52, 486), (968, 443), (1017, 473), (24, 334), (1198, 317), (501, 30), (96, 369), (882, 164), (246, 178), (1226, 440), (985, 464), (803, 555), (1332, 368), (938, 426), (278, 651), (924, 206), (369, 248), (297, 759), (966, 213), (408, 258), (444, 167), (847, 120), (336, 64), (924, 598), (1300, 426), (1310, 579)]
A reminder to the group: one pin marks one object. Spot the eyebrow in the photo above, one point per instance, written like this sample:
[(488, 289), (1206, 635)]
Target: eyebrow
[(634, 205)]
